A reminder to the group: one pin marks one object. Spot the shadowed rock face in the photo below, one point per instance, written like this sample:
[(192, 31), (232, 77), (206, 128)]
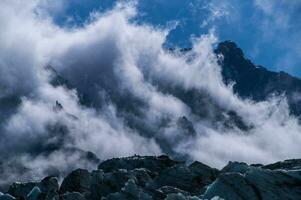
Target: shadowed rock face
[(149, 177), (46, 189), (77, 181), (294, 164), (154, 164), (256, 82)]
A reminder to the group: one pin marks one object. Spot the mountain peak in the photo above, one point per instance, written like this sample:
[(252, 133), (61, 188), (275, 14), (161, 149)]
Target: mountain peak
[(256, 82), (229, 47)]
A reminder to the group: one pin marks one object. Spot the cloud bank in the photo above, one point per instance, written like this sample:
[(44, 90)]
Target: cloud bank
[(126, 95)]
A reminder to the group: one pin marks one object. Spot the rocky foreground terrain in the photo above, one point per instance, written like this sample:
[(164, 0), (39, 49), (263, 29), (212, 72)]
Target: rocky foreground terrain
[(148, 177)]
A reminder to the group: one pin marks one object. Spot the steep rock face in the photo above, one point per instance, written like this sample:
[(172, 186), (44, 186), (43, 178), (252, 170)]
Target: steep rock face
[(256, 82)]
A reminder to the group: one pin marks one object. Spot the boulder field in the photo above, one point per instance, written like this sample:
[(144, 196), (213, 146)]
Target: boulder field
[(150, 177)]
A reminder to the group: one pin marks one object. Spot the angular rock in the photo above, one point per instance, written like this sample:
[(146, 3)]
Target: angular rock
[(103, 184), (152, 163), (171, 190), (143, 176), (19, 190), (275, 184), (97, 178), (204, 173), (73, 196), (238, 167), (130, 192), (293, 164), (7, 197), (48, 186), (179, 196), (76, 181), (34, 194), (236, 181), (190, 179), (257, 183), (232, 186)]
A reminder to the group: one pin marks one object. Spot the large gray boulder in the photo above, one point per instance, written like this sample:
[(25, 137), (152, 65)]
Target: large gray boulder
[(147, 178), (191, 178), (130, 191), (243, 182), (238, 167), (19, 190), (34, 194), (232, 186), (49, 188), (103, 184), (77, 181)]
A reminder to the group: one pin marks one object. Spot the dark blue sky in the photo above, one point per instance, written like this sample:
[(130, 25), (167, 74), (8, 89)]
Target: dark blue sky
[(268, 31)]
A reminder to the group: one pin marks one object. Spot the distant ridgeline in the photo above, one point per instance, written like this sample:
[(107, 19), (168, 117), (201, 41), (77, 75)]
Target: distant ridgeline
[(250, 81), (255, 81)]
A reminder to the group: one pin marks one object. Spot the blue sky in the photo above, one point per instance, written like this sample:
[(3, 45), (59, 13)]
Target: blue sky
[(268, 31)]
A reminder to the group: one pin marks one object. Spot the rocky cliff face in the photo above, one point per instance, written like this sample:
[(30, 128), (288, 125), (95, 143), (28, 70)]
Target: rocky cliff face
[(254, 81), (149, 177)]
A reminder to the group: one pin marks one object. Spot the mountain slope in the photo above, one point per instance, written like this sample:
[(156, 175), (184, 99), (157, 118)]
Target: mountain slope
[(179, 136), (256, 82), (160, 178)]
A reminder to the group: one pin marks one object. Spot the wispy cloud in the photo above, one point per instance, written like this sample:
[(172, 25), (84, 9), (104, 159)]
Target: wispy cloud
[(280, 23), (131, 86), (217, 10)]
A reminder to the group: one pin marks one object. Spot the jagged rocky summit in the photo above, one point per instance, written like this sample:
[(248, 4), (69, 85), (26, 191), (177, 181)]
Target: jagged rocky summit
[(255, 81), (150, 177)]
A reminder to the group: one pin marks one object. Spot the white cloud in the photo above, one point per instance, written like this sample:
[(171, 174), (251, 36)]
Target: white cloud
[(279, 23), (114, 57), (217, 10)]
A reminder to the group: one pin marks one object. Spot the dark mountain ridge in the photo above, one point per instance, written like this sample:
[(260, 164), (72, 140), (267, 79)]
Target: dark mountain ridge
[(254, 81)]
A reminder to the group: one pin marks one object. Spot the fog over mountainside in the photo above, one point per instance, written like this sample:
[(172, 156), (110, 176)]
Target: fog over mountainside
[(70, 97)]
